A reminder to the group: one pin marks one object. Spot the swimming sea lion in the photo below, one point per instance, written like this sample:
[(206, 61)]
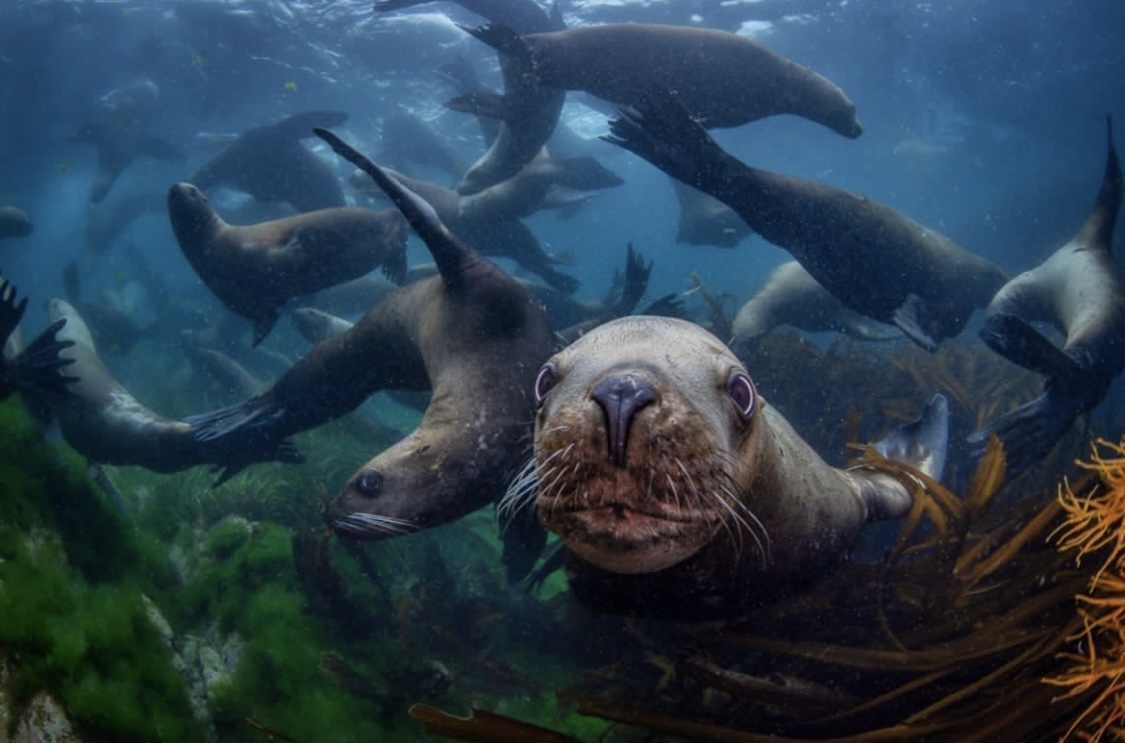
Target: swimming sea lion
[(471, 333), (270, 163), (255, 269), (14, 222), (723, 79), (1079, 290), (36, 368), (680, 492), (791, 297), (523, 16), (874, 259), (101, 420), (528, 112), (704, 220)]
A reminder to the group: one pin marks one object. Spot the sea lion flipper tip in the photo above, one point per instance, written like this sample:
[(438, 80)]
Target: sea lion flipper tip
[(922, 443), (911, 319), (1016, 340)]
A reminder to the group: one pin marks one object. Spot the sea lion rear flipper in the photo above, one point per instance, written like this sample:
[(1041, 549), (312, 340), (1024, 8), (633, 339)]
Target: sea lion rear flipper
[(1030, 431), (38, 366), (637, 273), (910, 318), (286, 451), (1016, 340), (263, 326), (300, 126), (11, 311), (501, 38), (482, 103), (923, 443)]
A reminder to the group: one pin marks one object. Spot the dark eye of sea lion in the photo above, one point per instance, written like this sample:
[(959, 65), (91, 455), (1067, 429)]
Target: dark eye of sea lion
[(741, 391), (369, 482), (545, 382)]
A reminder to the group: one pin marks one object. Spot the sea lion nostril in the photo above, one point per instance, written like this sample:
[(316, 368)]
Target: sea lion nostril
[(620, 397)]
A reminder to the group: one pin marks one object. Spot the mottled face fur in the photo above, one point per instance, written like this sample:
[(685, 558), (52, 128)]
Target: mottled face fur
[(637, 443)]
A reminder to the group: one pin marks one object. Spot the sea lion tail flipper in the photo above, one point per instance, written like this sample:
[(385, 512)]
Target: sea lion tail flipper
[(263, 326), (911, 318), (38, 366), (1016, 340), (923, 443), (1030, 431)]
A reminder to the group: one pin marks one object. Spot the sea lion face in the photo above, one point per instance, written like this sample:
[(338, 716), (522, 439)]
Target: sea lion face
[(637, 441)]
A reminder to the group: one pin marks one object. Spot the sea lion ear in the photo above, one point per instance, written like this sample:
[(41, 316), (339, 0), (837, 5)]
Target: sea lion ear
[(741, 392), (545, 381)]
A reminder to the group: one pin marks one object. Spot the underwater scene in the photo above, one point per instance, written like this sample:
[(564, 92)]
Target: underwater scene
[(596, 370)]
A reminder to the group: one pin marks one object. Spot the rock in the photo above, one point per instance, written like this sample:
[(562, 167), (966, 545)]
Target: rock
[(43, 721)]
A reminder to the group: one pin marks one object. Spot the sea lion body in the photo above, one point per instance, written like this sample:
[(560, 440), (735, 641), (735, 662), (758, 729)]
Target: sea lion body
[(872, 258), (1078, 290), (791, 296), (470, 333), (679, 490), (14, 222), (270, 163), (255, 269), (724, 79)]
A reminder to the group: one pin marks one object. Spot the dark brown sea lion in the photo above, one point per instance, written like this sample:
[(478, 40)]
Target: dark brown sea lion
[(723, 79), (14, 222), (101, 420), (36, 368), (255, 269), (270, 163), (874, 259), (471, 334), (680, 492), (791, 297), (1078, 290)]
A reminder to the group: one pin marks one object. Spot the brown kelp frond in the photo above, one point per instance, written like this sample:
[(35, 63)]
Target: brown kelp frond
[(484, 727), (1095, 528)]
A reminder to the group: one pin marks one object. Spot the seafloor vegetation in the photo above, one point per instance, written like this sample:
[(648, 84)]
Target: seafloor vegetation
[(186, 612)]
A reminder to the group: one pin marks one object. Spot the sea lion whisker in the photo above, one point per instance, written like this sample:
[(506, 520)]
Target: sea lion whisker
[(521, 491), (367, 524), (763, 541)]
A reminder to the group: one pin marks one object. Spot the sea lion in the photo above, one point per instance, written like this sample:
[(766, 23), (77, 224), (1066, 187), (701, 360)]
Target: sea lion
[(874, 259), (791, 297), (255, 269), (316, 325), (14, 222), (122, 138), (679, 491), (270, 163), (1079, 290), (471, 334), (723, 79), (101, 420), (36, 368), (528, 112), (492, 235), (406, 139), (523, 16), (704, 220)]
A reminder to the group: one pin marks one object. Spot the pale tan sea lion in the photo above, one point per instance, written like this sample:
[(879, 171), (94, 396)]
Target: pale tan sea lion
[(1078, 290), (471, 333), (723, 79), (678, 489), (255, 269), (874, 259)]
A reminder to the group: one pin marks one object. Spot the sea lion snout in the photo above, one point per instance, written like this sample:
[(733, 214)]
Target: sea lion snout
[(620, 397)]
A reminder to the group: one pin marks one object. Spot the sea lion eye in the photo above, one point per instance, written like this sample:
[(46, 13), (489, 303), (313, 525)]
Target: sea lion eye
[(545, 382), (369, 482), (741, 391)]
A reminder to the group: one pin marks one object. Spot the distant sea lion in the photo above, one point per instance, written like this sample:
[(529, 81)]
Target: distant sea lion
[(102, 421), (471, 333), (1079, 291), (523, 16), (723, 79), (704, 220), (679, 491), (406, 140), (791, 297), (14, 222), (492, 235), (270, 163), (36, 368), (874, 259), (255, 269)]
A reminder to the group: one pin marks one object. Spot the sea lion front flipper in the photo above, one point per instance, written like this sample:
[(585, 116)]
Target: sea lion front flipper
[(11, 311), (1016, 340), (1030, 431), (38, 366), (482, 103), (911, 320), (285, 451), (923, 443), (235, 437)]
